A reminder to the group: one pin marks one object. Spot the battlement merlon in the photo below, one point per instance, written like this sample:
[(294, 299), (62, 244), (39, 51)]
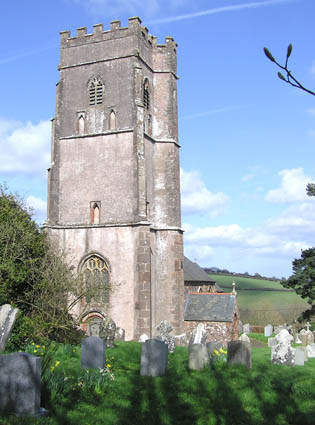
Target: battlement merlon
[(115, 31)]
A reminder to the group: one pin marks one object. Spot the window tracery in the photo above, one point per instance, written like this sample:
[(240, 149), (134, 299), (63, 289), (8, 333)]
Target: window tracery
[(96, 277), (96, 91)]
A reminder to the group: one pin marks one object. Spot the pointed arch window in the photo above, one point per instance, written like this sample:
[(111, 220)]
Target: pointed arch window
[(96, 277), (146, 95), (112, 120), (96, 91), (95, 212)]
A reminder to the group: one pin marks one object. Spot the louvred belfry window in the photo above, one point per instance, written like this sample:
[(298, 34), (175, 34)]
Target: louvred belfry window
[(96, 91)]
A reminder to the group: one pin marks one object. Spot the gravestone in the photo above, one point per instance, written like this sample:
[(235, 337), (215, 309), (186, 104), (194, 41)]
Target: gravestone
[(143, 338), (102, 328), (268, 330), (299, 357), (310, 351), (211, 346), (306, 336), (93, 353), (198, 335), (154, 358), (239, 352), (283, 353), (20, 383), (198, 356), (247, 328), (244, 338), (165, 329), (272, 342), (7, 320), (120, 334), (304, 349)]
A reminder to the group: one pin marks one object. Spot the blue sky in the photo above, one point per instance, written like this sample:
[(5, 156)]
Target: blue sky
[(247, 138)]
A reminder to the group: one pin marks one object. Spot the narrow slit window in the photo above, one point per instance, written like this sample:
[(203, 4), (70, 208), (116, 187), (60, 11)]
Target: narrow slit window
[(146, 95)]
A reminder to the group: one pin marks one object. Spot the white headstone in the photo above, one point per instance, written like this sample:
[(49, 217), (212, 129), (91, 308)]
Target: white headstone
[(198, 335), (244, 338), (247, 328), (299, 357), (311, 351), (268, 330), (143, 338), (283, 353)]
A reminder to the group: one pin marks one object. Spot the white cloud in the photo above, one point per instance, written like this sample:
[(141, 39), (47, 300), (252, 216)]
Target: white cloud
[(292, 188), (247, 177), (25, 148), (38, 207), (197, 199)]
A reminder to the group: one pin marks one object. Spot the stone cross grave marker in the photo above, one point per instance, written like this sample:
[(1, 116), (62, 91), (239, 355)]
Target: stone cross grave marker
[(7, 320), (154, 358), (239, 352), (198, 356), (20, 383), (93, 353)]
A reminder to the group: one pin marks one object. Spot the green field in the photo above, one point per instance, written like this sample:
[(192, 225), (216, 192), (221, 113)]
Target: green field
[(260, 306)]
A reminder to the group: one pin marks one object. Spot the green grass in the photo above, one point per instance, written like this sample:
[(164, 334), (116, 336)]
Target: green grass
[(218, 395), (260, 307)]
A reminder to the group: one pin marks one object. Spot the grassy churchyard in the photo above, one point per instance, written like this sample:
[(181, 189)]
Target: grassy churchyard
[(217, 395)]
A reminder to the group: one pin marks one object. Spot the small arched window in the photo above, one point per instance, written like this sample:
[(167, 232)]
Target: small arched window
[(95, 212), (146, 95), (112, 120), (96, 277), (81, 124), (96, 91)]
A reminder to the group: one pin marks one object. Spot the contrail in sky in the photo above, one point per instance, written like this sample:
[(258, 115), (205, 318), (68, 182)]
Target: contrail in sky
[(214, 111), (216, 10), (27, 53)]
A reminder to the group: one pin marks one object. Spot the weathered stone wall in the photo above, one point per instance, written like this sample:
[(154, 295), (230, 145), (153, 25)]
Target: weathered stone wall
[(216, 331)]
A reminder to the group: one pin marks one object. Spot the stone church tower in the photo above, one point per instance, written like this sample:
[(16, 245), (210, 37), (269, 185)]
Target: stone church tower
[(114, 189)]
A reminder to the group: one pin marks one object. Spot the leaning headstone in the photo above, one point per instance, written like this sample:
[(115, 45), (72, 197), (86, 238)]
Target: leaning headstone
[(240, 327), (143, 338), (272, 342), (20, 383), (310, 351), (283, 353), (154, 358), (239, 352), (244, 338), (120, 334), (268, 330), (198, 356), (165, 329), (7, 320), (299, 357), (198, 335), (93, 353), (247, 328)]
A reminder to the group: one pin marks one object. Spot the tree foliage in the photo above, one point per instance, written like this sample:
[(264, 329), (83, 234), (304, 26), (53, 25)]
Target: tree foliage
[(303, 280), (34, 278), (288, 77)]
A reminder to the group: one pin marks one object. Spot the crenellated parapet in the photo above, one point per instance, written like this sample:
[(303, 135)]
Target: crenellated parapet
[(115, 31)]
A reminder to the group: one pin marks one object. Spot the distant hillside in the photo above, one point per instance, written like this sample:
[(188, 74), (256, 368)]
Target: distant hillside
[(262, 301), (216, 270)]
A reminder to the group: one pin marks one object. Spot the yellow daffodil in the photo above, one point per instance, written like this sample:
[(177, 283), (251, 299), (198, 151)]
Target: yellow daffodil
[(57, 363)]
